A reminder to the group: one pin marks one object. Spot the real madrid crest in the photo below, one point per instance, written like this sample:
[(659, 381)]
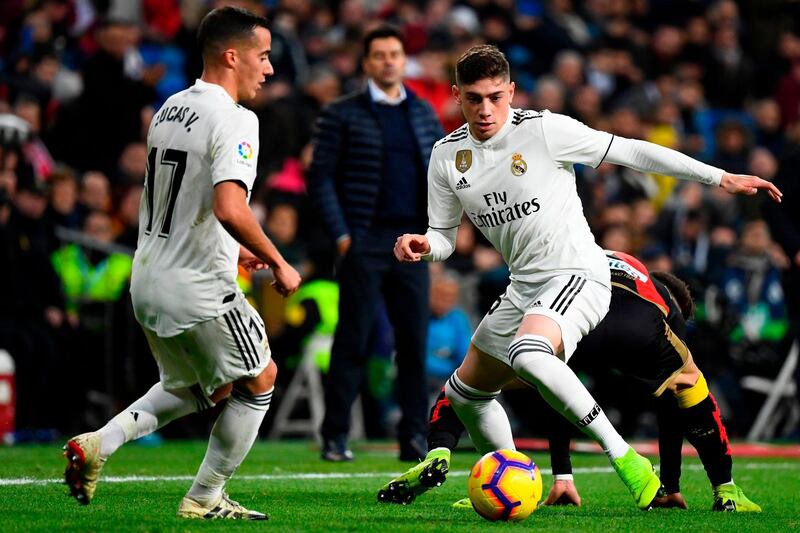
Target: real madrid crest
[(463, 160), (518, 165)]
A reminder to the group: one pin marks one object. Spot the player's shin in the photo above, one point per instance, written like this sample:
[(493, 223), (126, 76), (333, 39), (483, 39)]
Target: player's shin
[(702, 423), (155, 409), (482, 415), (231, 439), (532, 357)]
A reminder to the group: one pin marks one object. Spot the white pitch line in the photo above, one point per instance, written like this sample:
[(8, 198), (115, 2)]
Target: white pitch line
[(353, 475)]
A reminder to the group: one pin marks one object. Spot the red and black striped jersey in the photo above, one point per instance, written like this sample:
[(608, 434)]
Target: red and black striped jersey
[(629, 273)]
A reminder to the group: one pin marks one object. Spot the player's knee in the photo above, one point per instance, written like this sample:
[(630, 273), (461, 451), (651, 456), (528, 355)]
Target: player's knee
[(530, 353), (221, 393), (261, 383)]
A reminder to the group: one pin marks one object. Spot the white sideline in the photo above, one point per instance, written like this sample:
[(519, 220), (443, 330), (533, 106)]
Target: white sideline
[(5, 482)]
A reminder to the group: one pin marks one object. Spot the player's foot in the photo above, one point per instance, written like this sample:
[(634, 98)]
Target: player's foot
[(638, 475), (670, 501), (428, 474), (336, 450), (223, 509), (463, 503), (730, 498), (83, 465)]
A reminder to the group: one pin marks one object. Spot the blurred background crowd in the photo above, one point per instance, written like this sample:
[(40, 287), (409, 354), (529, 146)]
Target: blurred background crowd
[(80, 81)]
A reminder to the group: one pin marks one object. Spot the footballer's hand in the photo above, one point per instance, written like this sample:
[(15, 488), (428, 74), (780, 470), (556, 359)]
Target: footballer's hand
[(410, 247), (670, 501), (249, 261), (749, 185), (287, 279), (563, 492)]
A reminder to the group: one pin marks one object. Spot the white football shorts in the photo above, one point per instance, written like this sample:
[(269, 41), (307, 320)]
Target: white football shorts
[(577, 304), (213, 353)]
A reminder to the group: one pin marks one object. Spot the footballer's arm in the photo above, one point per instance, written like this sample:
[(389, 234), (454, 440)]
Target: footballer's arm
[(444, 217), (232, 211)]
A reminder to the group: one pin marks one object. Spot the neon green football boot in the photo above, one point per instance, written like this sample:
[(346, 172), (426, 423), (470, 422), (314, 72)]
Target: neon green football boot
[(639, 476), (428, 474), (463, 503), (730, 498)]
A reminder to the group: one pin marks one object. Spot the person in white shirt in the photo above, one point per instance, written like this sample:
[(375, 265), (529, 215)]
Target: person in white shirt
[(195, 224), (511, 171)]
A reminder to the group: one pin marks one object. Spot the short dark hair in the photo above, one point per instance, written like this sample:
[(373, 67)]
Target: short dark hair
[(679, 290), (221, 26), (480, 62), (382, 32)]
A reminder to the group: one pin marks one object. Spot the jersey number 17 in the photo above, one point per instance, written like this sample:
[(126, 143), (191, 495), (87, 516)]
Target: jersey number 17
[(176, 161)]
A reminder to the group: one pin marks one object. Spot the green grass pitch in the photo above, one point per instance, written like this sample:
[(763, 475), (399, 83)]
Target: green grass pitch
[(301, 493)]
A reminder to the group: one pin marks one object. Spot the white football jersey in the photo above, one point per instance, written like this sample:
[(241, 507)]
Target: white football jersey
[(184, 270), (518, 188)]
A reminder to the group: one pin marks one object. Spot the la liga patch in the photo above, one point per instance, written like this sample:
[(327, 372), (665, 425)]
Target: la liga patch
[(245, 150)]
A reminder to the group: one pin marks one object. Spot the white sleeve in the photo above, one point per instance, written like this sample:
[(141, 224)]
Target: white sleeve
[(648, 157), (571, 141), (234, 150), (442, 242), (444, 212)]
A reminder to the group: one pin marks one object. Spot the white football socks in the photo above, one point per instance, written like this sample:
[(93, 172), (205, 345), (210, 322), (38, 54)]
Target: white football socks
[(534, 360), (482, 415), (155, 409), (231, 439)]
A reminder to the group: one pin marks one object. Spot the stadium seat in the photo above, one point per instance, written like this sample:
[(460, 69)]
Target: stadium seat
[(306, 385), (774, 410)]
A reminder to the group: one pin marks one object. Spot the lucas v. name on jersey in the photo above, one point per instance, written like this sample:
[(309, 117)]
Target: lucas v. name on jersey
[(177, 114), (500, 212)]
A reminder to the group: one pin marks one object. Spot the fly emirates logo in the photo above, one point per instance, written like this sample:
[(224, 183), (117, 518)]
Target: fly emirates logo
[(498, 211)]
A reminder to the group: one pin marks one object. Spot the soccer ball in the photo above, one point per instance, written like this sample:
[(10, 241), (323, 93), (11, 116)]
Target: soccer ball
[(505, 485)]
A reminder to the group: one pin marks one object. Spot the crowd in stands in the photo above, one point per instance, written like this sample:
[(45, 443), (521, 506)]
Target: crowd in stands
[(80, 81)]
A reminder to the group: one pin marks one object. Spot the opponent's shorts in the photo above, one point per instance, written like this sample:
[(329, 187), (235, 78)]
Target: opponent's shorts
[(213, 353), (634, 339), (575, 303)]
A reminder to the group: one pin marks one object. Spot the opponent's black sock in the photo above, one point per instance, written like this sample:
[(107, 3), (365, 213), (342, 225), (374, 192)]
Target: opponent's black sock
[(444, 427), (704, 429)]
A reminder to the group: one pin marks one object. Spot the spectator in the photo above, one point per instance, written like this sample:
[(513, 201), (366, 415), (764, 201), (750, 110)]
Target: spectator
[(111, 96), (95, 193), (281, 228), (131, 166), (94, 274), (126, 219), (449, 332), (63, 208), (32, 308), (368, 180)]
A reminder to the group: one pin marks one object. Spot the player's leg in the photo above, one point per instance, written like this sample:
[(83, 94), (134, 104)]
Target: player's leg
[(87, 453), (703, 427), (230, 349), (559, 431), (232, 436), (567, 311), (472, 391), (444, 431), (670, 442), (406, 290), (359, 294)]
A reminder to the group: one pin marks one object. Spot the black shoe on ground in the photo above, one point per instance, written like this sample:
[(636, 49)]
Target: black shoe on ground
[(413, 449), (336, 450)]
